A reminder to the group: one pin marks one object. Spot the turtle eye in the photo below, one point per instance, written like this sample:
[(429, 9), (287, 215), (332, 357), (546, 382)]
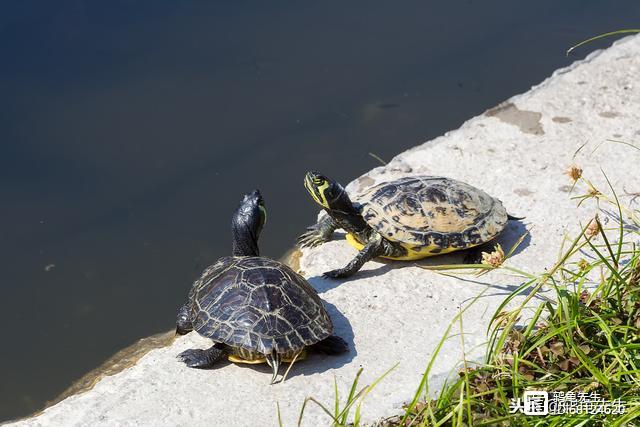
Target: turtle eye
[(318, 181)]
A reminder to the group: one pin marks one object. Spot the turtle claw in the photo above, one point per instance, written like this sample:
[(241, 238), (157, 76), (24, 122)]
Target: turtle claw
[(335, 274), (311, 238), (201, 359), (194, 358)]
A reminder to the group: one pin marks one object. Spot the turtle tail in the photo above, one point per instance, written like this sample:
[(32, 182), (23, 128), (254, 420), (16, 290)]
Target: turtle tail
[(515, 218), (273, 360)]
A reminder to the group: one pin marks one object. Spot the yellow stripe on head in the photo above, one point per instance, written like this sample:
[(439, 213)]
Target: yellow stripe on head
[(264, 214), (317, 191), (321, 189)]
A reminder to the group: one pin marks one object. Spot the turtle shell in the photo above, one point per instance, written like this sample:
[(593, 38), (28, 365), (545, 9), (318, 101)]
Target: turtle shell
[(432, 214), (258, 304)]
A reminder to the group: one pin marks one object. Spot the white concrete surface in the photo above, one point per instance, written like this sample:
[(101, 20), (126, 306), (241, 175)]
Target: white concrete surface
[(396, 312)]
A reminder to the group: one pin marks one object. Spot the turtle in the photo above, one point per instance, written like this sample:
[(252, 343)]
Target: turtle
[(408, 218), (253, 308)]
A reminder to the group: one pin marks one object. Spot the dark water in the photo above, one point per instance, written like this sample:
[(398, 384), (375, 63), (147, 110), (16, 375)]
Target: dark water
[(129, 131)]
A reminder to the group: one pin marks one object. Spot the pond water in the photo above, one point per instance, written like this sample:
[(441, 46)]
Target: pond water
[(130, 130)]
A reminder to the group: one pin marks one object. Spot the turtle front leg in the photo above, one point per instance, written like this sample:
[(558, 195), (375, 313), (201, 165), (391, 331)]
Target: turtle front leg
[(203, 359), (183, 322), (318, 233), (373, 249)]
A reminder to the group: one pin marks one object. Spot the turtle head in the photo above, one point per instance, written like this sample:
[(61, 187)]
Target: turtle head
[(326, 192), (336, 202), (247, 223)]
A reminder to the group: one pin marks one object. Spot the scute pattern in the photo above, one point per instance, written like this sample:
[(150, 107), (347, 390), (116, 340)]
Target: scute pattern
[(439, 212), (259, 305)]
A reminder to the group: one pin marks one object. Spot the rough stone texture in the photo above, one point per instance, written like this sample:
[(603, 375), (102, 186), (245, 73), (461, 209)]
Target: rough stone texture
[(396, 312)]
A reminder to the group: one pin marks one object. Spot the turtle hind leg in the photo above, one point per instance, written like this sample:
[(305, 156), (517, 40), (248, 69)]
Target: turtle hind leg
[(203, 359), (183, 321), (331, 345), (273, 360), (474, 255)]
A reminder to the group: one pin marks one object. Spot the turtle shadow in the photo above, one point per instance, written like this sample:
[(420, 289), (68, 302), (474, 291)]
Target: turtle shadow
[(317, 362), (322, 284), (514, 231)]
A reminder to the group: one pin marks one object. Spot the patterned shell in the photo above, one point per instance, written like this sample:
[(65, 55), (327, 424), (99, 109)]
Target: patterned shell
[(436, 212), (258, 304)]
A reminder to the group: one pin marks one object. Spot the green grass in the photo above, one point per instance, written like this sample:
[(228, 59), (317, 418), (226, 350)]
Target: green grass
[(585, 338), (601, 36)]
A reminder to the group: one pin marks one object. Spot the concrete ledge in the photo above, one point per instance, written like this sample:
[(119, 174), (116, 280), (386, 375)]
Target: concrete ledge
[(397, 312)]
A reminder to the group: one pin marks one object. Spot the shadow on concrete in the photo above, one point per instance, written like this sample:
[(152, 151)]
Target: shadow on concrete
[(612, 221), (507, 239), (611, 215), (504, 290)]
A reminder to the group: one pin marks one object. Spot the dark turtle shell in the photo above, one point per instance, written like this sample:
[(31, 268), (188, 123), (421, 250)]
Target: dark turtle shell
[(258, 304)]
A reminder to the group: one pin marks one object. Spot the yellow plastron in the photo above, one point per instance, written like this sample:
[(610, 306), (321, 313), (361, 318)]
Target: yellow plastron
[(412, 254), (237, 359)]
